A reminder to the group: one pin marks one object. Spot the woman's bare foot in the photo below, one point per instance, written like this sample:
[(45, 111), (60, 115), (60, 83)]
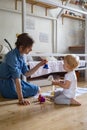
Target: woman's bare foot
[(74, 102)]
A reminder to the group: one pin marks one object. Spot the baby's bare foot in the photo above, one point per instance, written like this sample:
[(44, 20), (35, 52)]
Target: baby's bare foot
[(74, 102)]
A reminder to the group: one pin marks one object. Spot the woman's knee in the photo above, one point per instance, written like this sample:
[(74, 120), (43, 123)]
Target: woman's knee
[(39, 90)]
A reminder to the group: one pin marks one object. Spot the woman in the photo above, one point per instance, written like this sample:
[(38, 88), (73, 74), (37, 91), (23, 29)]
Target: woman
[(11, 69)]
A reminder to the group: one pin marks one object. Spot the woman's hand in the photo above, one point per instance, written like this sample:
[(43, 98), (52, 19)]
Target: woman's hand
[(24, 102), (35, 68), (43, 62)]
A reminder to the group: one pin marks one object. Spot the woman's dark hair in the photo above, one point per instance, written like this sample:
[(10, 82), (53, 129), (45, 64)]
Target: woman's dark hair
[(24, 40)]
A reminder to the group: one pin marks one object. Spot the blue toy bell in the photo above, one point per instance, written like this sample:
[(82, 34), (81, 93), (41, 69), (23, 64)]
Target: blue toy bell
[(46, 66)]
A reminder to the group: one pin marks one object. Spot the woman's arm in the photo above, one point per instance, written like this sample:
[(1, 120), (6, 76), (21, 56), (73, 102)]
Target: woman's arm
[(33, 70), (22, 101)]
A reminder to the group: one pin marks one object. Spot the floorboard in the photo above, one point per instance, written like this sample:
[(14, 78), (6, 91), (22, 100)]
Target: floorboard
[(47, 117)]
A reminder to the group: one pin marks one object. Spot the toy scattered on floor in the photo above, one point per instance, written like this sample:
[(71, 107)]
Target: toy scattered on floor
[(41, 99), (50, 78)]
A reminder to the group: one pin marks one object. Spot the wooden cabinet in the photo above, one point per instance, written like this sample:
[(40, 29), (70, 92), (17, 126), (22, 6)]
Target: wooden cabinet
[(77, 49), (37, 3)]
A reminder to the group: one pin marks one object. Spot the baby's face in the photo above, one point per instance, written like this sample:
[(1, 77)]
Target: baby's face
[(66, 66)]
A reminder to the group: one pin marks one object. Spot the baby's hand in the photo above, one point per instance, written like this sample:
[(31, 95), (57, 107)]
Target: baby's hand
[(55, 82), (61, 80)]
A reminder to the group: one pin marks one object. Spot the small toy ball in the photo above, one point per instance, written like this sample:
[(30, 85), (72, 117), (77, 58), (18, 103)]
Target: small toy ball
[(41, 99), (46, 66)]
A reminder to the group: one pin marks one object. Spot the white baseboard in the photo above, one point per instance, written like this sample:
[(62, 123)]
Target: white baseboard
[(41, 82)]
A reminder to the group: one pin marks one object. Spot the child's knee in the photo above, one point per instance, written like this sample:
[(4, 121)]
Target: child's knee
[(56, 100)]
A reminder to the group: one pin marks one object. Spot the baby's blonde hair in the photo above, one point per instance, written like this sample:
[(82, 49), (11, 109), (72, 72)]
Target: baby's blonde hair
[(72, 60)]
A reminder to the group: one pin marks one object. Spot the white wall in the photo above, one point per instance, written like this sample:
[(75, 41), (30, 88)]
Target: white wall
[(41, 31), (69, 33), (10, 22)]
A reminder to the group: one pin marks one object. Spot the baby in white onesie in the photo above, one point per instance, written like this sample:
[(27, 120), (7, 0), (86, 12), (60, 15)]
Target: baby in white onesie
[(67, 96)]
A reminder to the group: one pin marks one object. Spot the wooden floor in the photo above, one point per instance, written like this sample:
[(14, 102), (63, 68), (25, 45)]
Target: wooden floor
[(50, 117)]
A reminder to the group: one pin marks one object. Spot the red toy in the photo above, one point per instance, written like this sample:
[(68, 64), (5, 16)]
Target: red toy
[(41, 99)]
